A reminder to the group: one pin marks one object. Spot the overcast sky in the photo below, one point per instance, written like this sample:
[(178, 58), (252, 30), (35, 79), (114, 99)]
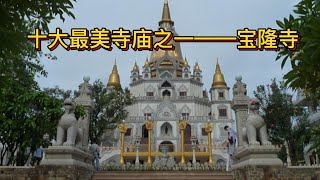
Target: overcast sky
[(203, 17)]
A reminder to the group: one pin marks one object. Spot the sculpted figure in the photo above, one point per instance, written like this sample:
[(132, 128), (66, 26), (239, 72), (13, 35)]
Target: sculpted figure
[(68, 132), (310, 155), (239, 88), (256, 128)]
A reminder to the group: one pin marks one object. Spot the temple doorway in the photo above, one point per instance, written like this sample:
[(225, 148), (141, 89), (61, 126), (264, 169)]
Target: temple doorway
[(169, 144)]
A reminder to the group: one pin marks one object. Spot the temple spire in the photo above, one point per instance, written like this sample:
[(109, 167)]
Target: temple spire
[(218, 78), (166, 18), (114, 78), (196, 67), (135, 67), (146, 63)]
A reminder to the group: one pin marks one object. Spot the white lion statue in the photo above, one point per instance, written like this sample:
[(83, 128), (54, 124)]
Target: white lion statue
[(68, 132), (256, 129)]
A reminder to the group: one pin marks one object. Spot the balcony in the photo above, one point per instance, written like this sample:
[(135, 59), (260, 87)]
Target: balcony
[(188, 118), (183, 98)]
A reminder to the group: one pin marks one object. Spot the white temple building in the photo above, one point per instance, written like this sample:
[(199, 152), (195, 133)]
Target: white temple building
[(167, 88)]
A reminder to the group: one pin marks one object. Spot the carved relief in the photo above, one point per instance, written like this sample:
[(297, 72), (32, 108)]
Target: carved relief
[(185, 109), (166, 109), (182, 88)]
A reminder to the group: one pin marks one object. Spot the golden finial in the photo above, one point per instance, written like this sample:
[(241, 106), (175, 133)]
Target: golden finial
[(146, 64), (166, 14), (135, 67), (185, 63), (166, 11), (218, 78), (197, 67), (114, 79)]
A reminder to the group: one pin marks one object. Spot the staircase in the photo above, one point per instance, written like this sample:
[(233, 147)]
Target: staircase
[(156, 175)]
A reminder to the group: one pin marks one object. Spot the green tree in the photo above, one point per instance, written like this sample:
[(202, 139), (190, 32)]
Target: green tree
[(285, 121), (26, 113), (109, 109), (24, 119), (19, 18), (305, 62)]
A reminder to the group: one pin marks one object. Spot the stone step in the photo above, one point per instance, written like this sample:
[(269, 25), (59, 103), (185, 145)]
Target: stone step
[(180, 175)]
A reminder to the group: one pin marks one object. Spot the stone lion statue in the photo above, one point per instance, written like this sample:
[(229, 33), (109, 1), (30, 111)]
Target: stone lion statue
[(68, 132), (255, 129)]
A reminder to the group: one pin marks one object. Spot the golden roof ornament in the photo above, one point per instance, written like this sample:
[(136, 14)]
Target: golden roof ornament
[(173, 55), (218, 78), (166, 13), (135, 67), (146, 63), (114, 79), (186, 64), (197, 67)]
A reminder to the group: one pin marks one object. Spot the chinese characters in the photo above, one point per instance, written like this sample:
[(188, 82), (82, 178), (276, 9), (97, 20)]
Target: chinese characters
[(80, 40), (267, 39), (143, 39)]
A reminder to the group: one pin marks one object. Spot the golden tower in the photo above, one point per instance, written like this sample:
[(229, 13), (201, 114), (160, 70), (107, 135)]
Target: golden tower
[(114, 78), (218, 78)]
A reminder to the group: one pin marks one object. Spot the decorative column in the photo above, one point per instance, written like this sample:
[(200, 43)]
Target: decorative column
[(240, 106), (123, 129), (137, 143), (193, 142), (149, 125), (182, 127), (209, 128), (85, 100)]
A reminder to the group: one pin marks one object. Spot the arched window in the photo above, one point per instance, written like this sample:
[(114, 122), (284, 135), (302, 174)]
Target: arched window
[(166, 93), (186, 76), (144, 131), (166, 129)]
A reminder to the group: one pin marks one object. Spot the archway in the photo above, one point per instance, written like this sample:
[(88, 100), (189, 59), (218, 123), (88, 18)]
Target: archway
[(166, 93), (187, 134), (169, 144), (144, 135)]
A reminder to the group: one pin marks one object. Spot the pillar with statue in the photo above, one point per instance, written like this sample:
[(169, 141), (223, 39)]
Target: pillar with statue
[(149, 125), (254, 147), (70, 152), (182, 126), (240, 106), (208, 129), (123, 127)]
